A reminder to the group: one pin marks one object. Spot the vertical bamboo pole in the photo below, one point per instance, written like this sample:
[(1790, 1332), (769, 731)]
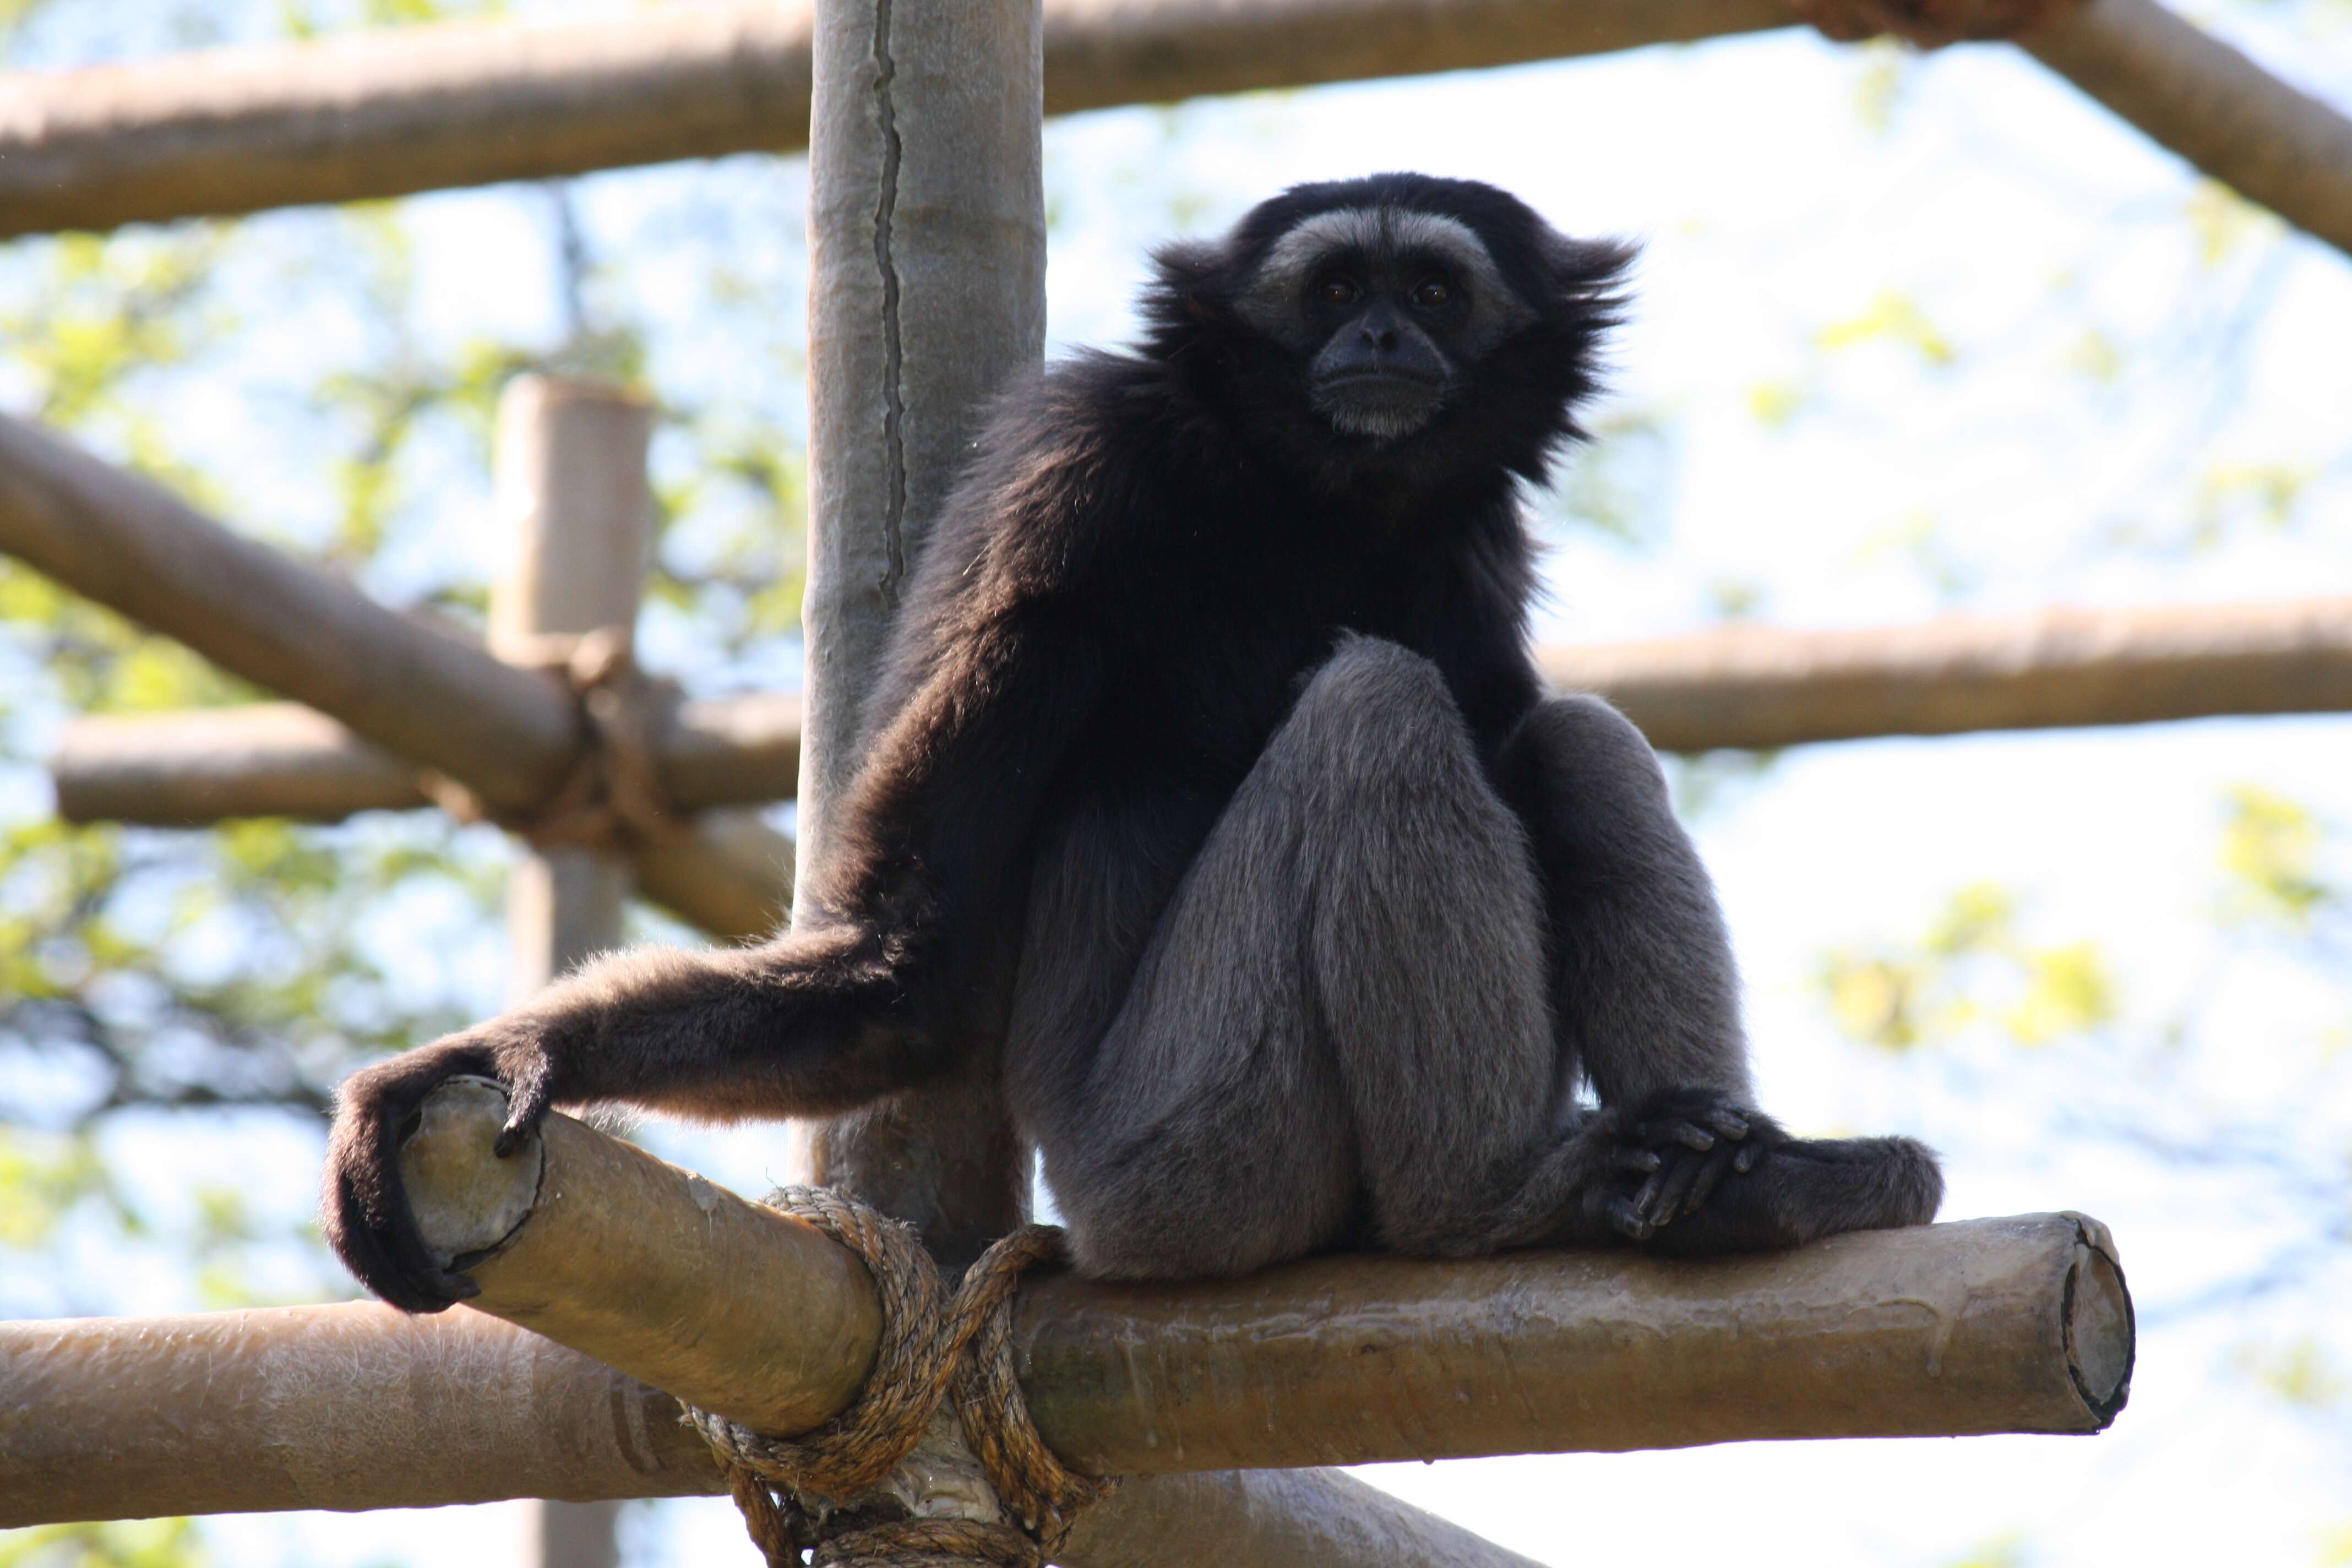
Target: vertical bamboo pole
[(926, 244), (572, 491)]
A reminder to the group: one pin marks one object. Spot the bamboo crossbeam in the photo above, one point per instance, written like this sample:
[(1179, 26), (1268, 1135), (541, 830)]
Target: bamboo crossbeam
[(1761, 686), (348, 1407), (357, 1406), (466, 103), (1738, 687), (463, 103), (2204, 100), (1987, 1326), (186, 769), (2020, 1324)]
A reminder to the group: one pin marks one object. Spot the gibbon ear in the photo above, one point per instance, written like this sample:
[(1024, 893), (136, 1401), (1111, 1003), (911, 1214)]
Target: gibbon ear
[(1192, 287), (1593, 270)]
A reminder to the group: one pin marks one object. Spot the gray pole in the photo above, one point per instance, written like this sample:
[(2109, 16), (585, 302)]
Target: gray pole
[(927, 292), (572, 489)]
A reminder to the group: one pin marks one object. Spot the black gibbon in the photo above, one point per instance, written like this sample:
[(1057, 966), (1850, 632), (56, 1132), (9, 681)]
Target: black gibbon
[(1211, 782)]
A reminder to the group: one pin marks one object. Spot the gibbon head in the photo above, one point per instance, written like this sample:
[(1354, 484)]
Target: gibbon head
[(1397, 327)]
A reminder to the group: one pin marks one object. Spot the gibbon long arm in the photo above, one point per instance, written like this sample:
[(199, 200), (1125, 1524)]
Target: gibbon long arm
[(860, 1001)]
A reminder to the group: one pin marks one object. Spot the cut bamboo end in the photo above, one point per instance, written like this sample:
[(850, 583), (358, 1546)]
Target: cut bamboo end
[(651, 1269), (2102, 1333)]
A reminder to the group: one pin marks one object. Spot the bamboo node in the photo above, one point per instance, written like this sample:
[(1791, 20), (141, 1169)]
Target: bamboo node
[(612, 799), (1929, 24), (933, 1349)]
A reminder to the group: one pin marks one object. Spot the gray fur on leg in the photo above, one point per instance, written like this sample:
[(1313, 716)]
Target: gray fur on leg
[(1358, 942), (1644, 986)]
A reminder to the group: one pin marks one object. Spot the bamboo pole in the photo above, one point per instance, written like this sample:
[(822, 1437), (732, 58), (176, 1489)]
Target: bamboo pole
[(357, 1406), (283, 759), (2207, 101), (571, 484), (570, 477), (348, 1407), (927, 292), (690, 1288), (1746, 686), (385, 113), (1741, 686), (733, 877), (2000, 1325), (2019, 1325), (467, 103), (1270, 1518)]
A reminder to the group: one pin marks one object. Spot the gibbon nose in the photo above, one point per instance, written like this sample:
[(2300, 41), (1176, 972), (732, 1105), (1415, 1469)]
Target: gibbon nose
[(1381, 335)]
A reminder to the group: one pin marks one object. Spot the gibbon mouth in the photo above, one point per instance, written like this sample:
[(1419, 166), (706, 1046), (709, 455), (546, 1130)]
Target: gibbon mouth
[(1415, 378), (1381, 405)]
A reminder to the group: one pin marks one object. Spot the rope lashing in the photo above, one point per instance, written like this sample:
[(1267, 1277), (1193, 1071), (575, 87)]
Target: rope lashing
[(1929, 24), (611, 798), (933, 1349)]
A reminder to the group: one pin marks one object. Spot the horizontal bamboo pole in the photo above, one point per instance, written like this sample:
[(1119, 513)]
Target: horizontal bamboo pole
[(347, 1406), (2207, 101), (357, 1406), (730, 875), (1740, 685), (464, 104), (1989, 1326), (1994, 1325), (283, 759), (2019, 1325), (1760, 687)]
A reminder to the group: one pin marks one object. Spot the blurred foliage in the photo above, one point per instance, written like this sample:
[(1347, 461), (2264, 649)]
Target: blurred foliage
[(2302, 1372), (1970, 969), (176, 978), (2225, 222), (231, 967), (1897, 317), (2008, 1551), (2270, 850), (131, 1543), (44, 1176)]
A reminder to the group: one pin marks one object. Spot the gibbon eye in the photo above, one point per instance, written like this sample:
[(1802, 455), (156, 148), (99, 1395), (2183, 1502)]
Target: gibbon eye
[(1337, 289), (1431, 292)]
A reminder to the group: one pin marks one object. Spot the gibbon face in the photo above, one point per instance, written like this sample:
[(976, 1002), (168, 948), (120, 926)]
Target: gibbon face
[(1389, 308)]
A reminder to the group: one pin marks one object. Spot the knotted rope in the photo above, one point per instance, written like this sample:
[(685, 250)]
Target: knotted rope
[(611, 798), (933, 1349), (1929, 24)]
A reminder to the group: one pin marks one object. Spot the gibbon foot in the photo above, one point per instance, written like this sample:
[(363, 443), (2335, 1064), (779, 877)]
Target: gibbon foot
[(1675, 1153)]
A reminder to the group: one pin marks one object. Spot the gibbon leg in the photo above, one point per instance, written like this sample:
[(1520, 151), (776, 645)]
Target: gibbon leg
[(1644, 986), (1337, 1032), (1646, 998)]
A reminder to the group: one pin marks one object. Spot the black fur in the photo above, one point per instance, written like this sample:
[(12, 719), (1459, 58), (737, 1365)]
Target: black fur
[(1212, 779)]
